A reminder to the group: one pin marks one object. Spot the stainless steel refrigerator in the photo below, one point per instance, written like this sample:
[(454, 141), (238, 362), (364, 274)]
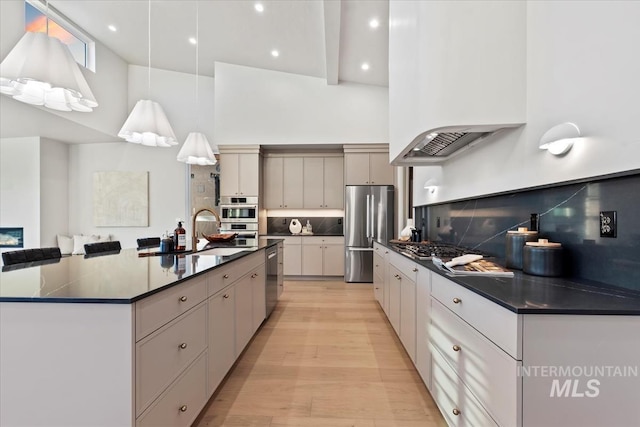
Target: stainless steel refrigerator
[(368, 217)]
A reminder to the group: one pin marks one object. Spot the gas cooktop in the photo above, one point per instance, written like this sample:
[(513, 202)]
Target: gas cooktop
[(428, 250)]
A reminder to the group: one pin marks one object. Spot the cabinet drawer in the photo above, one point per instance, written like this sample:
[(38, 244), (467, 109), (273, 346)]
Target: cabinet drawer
[(378, 266), (500, 325), (225, 275), (183, 400), (222, 277), (457, 404), (322, 240), (163, 355), (487, 371), (161, 308), (406, 266)]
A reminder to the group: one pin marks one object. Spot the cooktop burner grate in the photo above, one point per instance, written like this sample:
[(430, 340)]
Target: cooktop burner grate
[(426, 251)]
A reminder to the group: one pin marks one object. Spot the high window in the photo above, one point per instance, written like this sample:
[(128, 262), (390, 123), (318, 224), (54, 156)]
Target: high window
[(42, 19)]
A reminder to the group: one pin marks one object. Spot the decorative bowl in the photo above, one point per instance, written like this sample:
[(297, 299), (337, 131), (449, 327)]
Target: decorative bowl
[(224, 237)]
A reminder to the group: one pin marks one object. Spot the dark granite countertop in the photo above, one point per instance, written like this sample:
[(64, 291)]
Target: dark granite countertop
[(301, 235), (121, 278), (527, 294)]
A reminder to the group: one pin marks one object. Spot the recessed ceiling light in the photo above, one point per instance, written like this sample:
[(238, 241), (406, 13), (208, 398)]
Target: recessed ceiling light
[(275, 53), (374, 23), (259, 7), (112, 28), (193, 40), (364, 66)]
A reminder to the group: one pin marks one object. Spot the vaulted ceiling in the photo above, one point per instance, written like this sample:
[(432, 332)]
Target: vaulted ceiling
[(330, 39)]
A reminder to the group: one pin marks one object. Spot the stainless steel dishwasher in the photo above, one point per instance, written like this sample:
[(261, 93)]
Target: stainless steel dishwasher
[(271, 290)]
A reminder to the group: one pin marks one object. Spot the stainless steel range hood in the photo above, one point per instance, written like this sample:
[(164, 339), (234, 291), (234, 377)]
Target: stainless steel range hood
[(441, 144)]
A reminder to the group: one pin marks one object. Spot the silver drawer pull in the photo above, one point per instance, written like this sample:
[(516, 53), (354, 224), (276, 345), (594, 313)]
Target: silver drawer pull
[(183, 408), (225, 296), (254, 275), (456, 347), (226, 276), (182, 346), (457, 300), (456, 411), (414, 270), (398, 277), (183, 298), (377, 288)]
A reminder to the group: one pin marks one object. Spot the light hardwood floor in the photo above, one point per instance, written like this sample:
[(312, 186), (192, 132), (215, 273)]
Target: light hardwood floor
[(327, 357)]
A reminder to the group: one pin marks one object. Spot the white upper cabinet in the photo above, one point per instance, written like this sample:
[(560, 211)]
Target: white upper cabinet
[(239, 171), (454, 66), (283, 182), (367, 165), (323, 182), (305, 181)]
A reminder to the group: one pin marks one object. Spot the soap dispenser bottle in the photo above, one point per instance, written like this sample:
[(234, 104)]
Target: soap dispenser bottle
[(309, 228), (180, 237)]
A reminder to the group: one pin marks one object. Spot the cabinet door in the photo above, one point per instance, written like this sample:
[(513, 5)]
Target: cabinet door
[(273, 183), (313, 182), (243, 313), (293, 182), (222, 351), (259, 297), (333, 260), (229, 183), (408, 315), (334, 182), (281, 269), (249, 174), (292, 260), (312, 259), (378, 278), (356, 168), (423, 318), (394, 298), (380, 171)]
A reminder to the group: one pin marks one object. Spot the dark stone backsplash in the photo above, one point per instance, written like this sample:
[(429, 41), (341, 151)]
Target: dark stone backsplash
[(327, 226), (568, 214)]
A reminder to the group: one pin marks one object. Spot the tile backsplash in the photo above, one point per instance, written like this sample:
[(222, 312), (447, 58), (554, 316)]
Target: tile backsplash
[(568, 214), (320, 225)]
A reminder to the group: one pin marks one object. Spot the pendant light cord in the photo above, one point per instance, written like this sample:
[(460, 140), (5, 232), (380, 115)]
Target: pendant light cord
[(197, 63), (46, 17), (149, 54)]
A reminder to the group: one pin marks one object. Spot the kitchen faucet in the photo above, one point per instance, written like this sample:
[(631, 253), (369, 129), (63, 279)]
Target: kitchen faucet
[(194, 237)]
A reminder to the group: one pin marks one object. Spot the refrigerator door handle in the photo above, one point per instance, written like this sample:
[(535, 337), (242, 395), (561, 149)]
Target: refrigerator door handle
[(368, 217), (373, 219), (360, 249)]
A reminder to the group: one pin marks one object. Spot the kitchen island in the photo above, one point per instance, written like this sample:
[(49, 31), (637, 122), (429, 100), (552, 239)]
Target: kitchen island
[(521, 351), (125, 339)]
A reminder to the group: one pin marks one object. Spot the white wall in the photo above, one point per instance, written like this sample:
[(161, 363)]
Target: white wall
[(20, 187), (581, 67), (166, 187), (255, 106), (54, 191)]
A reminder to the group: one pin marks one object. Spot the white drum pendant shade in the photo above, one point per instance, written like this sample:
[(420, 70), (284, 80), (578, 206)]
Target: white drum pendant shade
[(148, 125), (197, 151), (40, 70)]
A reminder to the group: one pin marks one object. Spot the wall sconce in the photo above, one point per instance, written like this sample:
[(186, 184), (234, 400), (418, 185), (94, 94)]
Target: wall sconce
[(431, 185), (559, 139)]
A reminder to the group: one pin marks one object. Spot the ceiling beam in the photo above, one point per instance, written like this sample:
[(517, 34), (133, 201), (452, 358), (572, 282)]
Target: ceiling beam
[(332, 39)]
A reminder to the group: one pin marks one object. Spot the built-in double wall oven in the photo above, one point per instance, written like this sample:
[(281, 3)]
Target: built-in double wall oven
[(240, 216)]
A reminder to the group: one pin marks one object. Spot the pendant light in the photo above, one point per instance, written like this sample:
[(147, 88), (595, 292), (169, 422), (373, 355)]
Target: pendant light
[(40, 70), (147, 123), (196, 149)]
